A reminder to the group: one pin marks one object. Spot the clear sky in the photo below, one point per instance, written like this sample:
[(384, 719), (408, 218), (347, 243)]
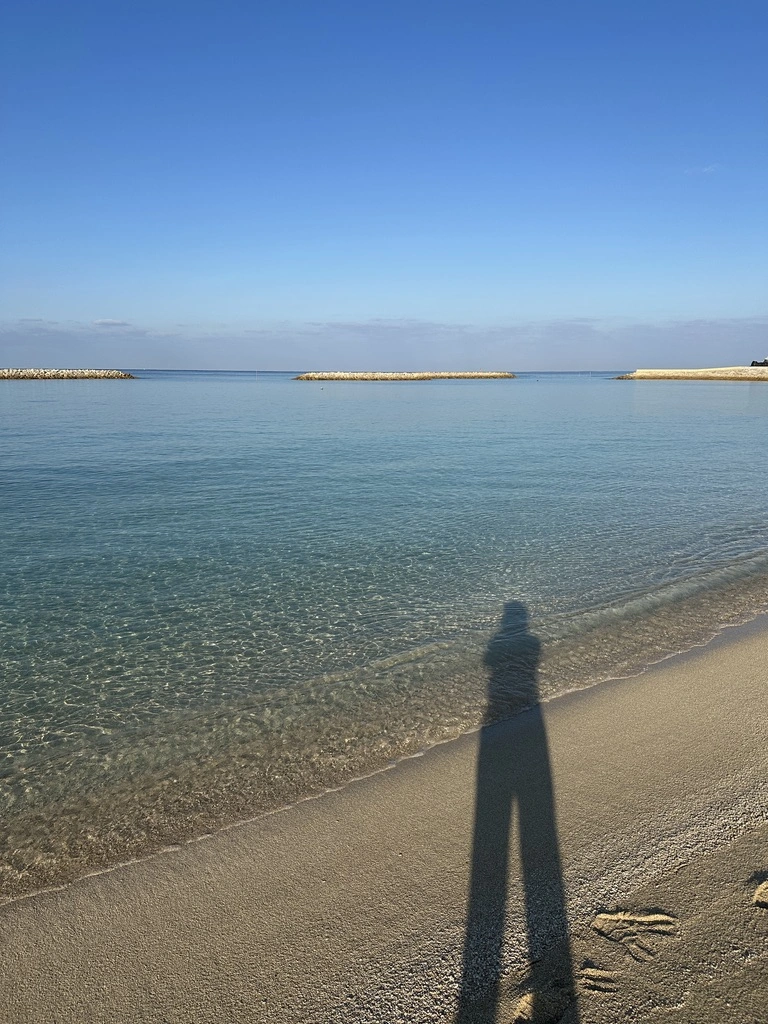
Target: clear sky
[(384, 185)]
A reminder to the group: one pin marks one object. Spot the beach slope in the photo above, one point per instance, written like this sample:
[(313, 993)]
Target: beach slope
[(352, 906)]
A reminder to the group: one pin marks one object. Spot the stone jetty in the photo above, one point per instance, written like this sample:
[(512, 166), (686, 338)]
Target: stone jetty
[(435, 375), (715, 373), (48, 374)]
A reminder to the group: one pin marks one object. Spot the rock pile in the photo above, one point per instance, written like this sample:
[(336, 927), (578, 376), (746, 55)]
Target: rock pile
[(48, 374), (436, 375), (715, 373)]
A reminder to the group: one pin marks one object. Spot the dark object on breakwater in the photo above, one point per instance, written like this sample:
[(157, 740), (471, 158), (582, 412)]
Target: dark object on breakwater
[(762, 362), (436, 375), (48, 374)]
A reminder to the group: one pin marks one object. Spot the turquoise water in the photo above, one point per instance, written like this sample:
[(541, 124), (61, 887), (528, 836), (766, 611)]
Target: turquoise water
[(222, 592)]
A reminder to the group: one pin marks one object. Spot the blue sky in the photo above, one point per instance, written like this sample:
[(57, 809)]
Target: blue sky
[(370, 185)]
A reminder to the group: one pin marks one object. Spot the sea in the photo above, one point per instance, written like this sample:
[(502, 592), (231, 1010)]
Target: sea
[(224, 592)]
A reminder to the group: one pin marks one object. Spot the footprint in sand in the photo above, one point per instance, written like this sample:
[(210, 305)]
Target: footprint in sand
[(637, 931), (594, 979), (545, 1008)]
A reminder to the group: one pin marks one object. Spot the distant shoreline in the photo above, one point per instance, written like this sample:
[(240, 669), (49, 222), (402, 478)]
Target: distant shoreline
[(434, 375), (714, 373), (50, 374)]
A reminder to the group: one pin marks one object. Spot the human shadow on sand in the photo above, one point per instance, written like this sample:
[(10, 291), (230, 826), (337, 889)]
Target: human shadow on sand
[(513, 770)]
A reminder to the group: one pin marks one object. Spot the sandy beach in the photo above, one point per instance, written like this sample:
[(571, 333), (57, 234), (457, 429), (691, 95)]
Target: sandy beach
[(366, 695), (353, 906)]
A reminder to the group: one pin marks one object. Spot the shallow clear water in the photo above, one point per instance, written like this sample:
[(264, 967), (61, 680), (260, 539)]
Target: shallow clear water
[(220, 592)]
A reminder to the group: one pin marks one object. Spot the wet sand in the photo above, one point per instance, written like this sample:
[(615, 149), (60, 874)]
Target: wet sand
[(352, 906)]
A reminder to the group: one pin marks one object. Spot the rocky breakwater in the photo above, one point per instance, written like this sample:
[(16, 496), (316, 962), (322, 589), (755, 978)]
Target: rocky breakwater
[(48, 374), (714, 373), (435, 375)]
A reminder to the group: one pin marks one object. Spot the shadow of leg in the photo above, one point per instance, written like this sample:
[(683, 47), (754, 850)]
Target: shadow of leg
[(488, 888), (551, 979)]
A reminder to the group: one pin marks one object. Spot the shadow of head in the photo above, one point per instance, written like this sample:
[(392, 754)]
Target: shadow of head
[(512, 659)]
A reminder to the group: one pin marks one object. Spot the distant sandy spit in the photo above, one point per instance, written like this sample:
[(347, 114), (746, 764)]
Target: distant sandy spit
[(435, 375), (49, 374), (713, 373)]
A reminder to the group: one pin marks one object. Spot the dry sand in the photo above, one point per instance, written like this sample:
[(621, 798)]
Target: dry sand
[(351, 907), (714, 373)]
